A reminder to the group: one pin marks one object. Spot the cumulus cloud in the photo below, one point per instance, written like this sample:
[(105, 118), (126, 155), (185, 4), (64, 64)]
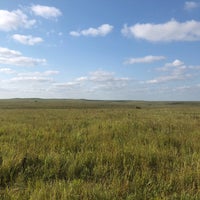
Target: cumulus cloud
[(146, 59), (169, 31), (174, 71), (175, 63), (102, 30), (12, 20), (190, 5), (27, 39), (46, 11), (12, 57)]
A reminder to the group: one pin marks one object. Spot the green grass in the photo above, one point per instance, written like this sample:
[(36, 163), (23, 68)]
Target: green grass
[(78, 149)]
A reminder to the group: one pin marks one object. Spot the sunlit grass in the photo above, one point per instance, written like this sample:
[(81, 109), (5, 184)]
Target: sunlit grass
[(99, 150)]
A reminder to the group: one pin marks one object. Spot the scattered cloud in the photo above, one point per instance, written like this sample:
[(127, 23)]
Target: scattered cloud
[(194, 67), (75, 33), (6, 71), (12, 20), (51, 72), (12, 57), (174, 71), (26, 79), (190, 5), (146, 59), (39, 74), (67, 85), (30, 79), (46, 11), (101, 76), (102, 30), (167, 32), (27, 83), (175, 63), (5, 52), (97, 80), (82, 78), (104, 76), (98, 84), (27, 39)]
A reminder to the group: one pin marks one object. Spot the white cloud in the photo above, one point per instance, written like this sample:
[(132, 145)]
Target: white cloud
[(13, 20), (29, 79), (169, 31), (75, 33), (190, 5), (173, 71), (98, 84), (5, 52), (102, 30), (12, 57), (104, 76), (27, 39), (39, 74), (82, 78), (194, 67), (91, 86), (175, 63), (99, 76), (51, 72), (67, 85), (146, 59), (96, 80), (6, 71), (46, 11)]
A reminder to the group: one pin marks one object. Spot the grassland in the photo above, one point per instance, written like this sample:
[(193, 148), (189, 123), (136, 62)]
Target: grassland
[(109, 150)]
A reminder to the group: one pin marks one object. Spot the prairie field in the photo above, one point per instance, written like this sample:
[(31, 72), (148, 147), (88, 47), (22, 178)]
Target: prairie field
[(109, 150)]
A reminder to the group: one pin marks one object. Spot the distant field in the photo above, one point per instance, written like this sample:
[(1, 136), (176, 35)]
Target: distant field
[(109, 150), (70, 103)]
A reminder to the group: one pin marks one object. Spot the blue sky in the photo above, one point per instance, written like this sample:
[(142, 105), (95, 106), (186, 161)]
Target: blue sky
[(100, 49)]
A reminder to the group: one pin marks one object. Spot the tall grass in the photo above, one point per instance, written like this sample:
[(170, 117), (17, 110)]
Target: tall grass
[(104, 151)]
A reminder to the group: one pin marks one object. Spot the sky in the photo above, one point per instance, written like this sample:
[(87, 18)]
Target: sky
[(100, 49)]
